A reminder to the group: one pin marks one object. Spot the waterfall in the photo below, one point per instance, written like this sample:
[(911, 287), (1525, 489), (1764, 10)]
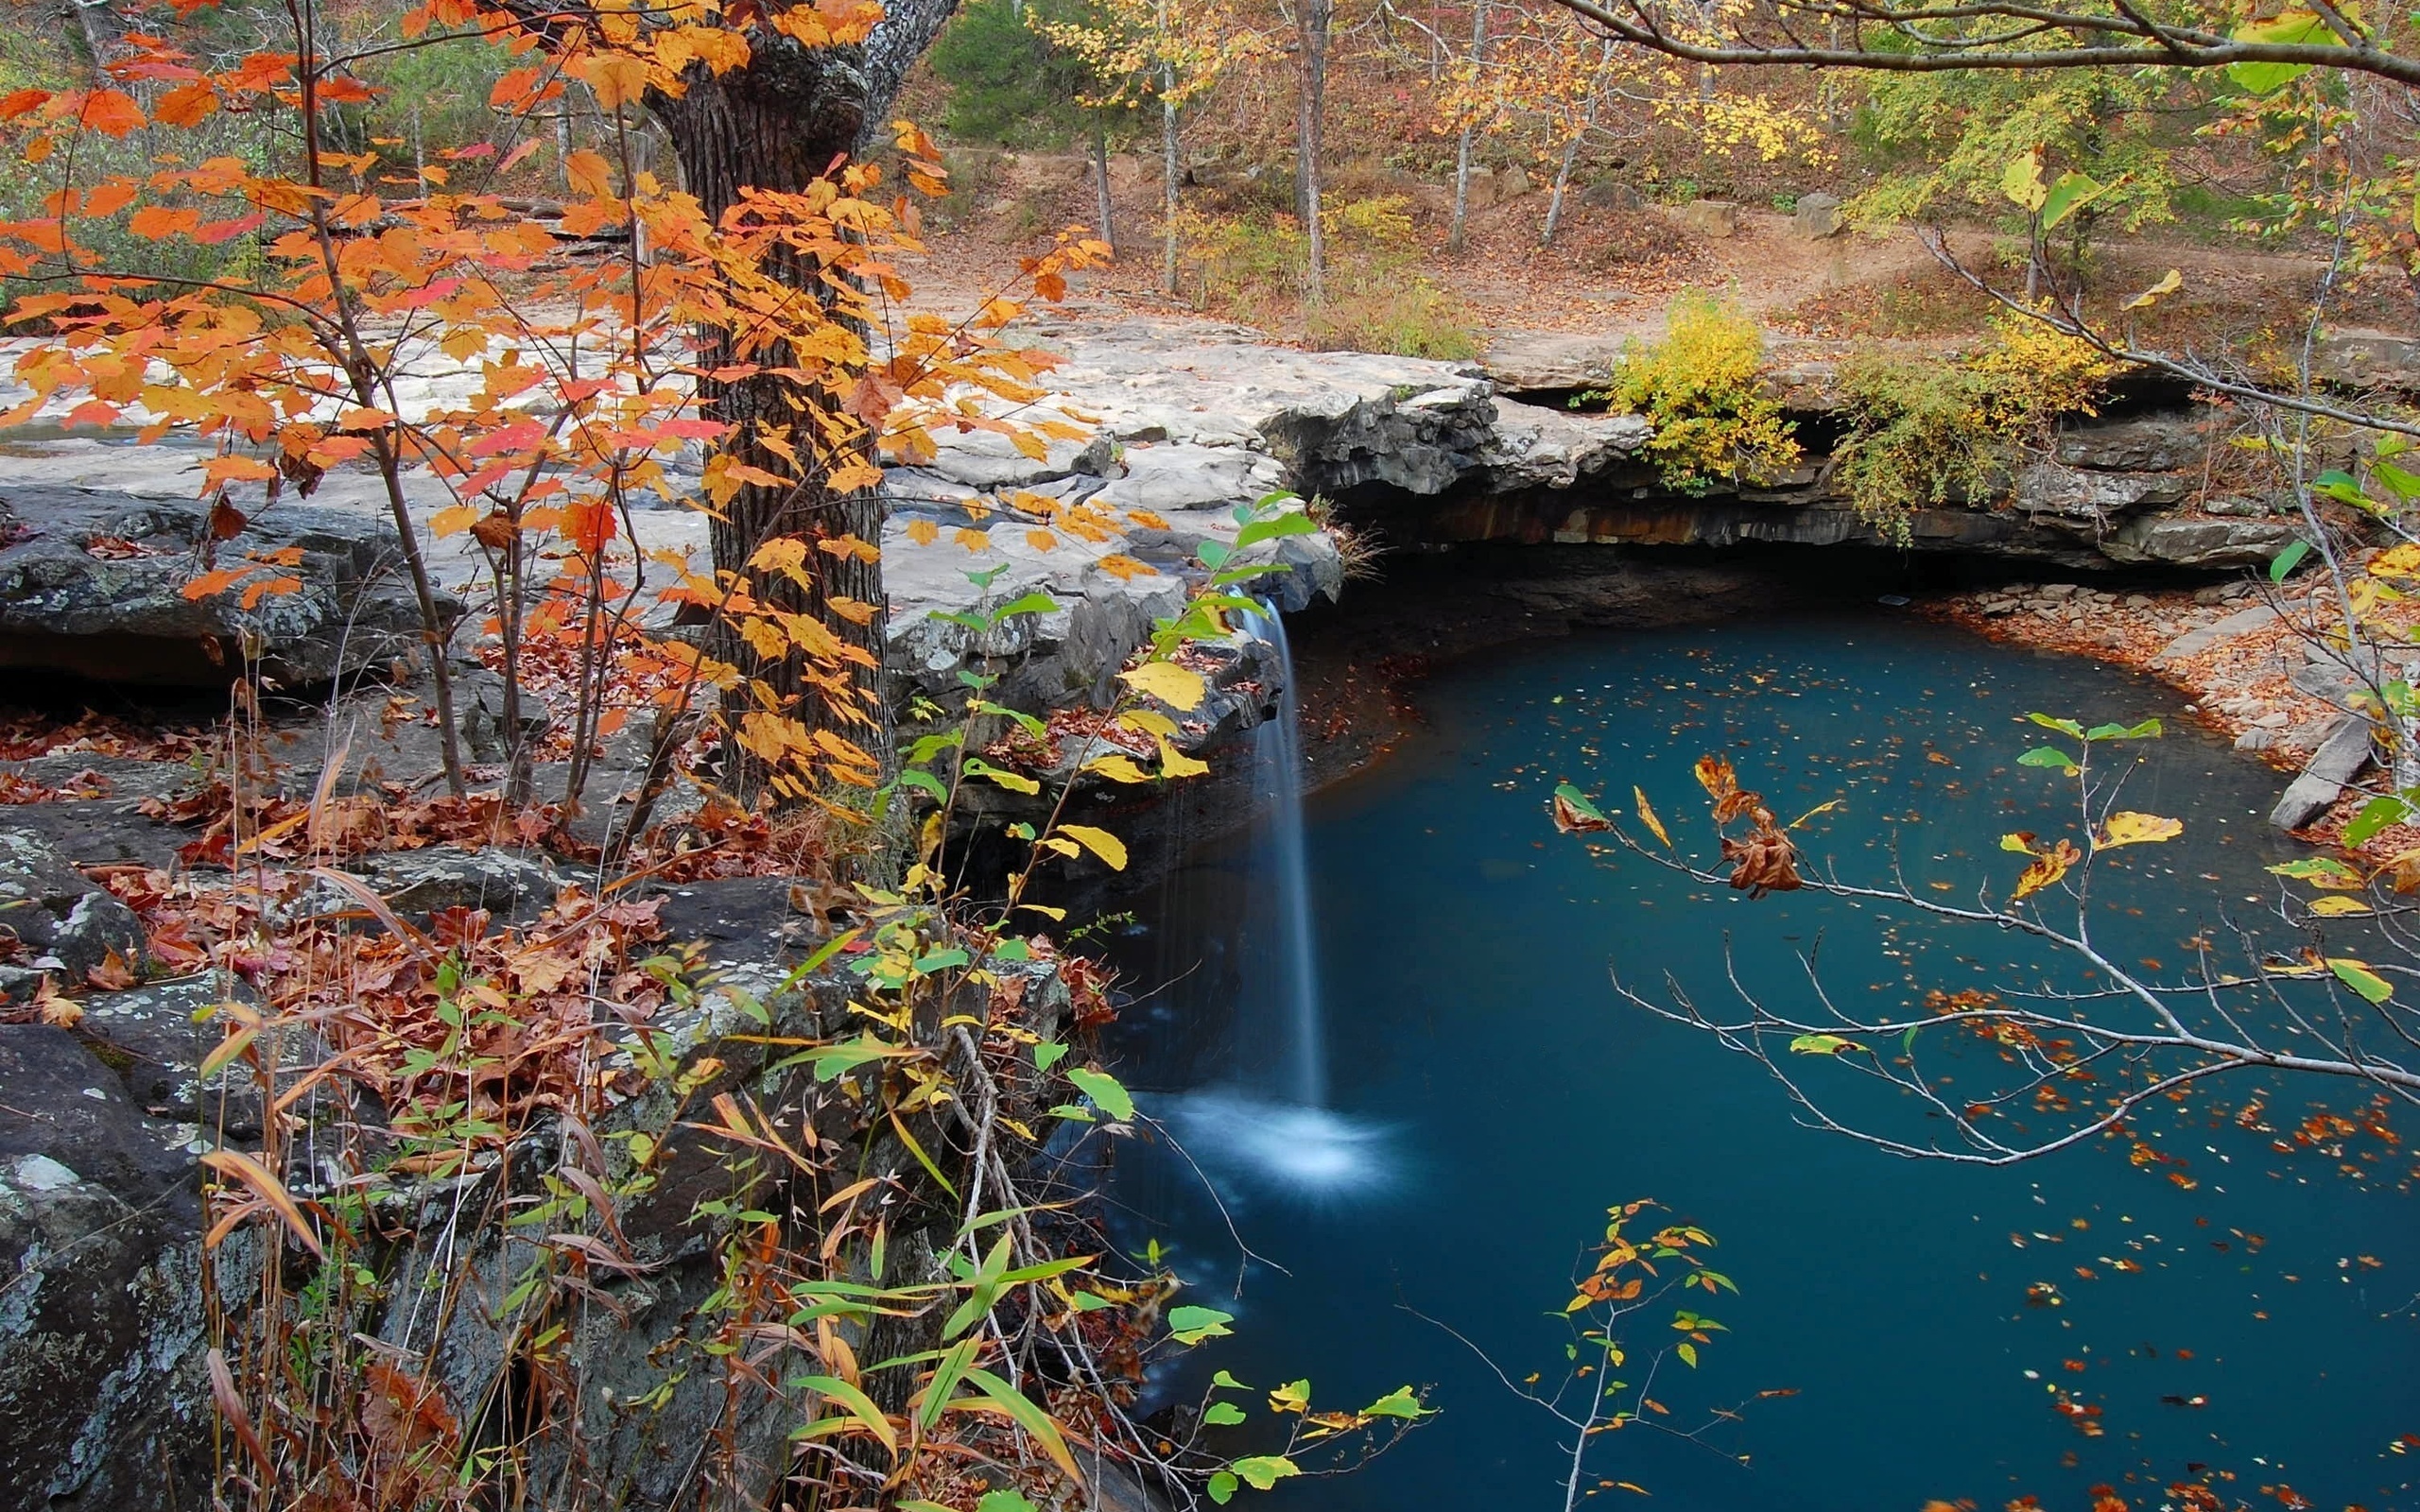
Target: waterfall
[(1271, 1132), (1277, 774)]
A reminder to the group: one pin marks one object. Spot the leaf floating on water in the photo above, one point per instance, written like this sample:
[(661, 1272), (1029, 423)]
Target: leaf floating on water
[(1574, 813), (1647, 817), (2129, 827), (1822, 1044)]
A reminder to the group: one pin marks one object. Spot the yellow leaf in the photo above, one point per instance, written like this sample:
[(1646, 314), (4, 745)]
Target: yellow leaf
[(923, 532), (2048, 867), (1647, 817), (1117, 768), (2336, 905), (1178, 687), (1099, 842), (1148, 721), (451, 520), (2151, 295), (2137, 829), (1174, 762), (971, 538), (1041, 540)]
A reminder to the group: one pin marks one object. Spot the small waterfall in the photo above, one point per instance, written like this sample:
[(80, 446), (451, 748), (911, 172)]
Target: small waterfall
[(1277, 773)]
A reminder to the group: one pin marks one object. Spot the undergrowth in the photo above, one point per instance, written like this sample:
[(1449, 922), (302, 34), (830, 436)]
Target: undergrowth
[(1925, 431), (1702, 388), (1250, 267)]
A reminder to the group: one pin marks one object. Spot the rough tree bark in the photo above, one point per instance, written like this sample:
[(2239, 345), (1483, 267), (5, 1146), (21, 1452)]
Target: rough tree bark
[(788, 118), (1171, 177)]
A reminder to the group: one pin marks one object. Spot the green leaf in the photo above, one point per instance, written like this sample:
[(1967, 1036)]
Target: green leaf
[(2147, 729), (2405, 486), (2325, 871), (912, 777), (1004, 1501), (1214, 554), (1088, 1303), (1399, 1402), (2050, 756), (1013, 781), (1223, 1379), (1024, 721), (2070, 193), (946, 1375), (1689, 1353), (1822, 1044), (1261, 1471), (2287, 559), (2377, 815), (2290, 29), (1192, 1325), (1048, 1054), (860, 1406), (1036, 602), (2357, 975), (1028, 1417), (1222, 1414), (1579, 803), (2341, 487), (1106, 1091), (2064, 727), (1292, 523), (1015, 950), (942, 960), (1222, 1487)]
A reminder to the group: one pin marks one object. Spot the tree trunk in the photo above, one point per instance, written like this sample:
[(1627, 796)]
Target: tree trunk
[(778, 123), (1100, 176), (1571, 148), (1460, 226), (104, 32), (1316, 15), (1562, 187), (1169, 177)]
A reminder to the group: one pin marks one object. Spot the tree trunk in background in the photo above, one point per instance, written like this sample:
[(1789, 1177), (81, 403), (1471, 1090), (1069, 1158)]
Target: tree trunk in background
[(1168, 178), (104, 31), (778, 123), (1100, 176), (1571, 149), (1316, 16), (1455, 232)]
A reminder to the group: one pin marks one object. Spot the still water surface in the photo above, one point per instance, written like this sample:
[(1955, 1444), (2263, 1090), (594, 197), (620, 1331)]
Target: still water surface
[(1494, 1096)]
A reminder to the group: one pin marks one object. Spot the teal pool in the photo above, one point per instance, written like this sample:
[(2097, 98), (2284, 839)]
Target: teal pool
[(1490, 1096)]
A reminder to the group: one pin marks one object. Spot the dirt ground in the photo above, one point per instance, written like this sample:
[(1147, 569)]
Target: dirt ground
[(1612, 271)]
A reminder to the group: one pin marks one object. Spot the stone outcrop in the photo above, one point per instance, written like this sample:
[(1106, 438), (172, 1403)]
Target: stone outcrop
[(55, 920), (93, 583)]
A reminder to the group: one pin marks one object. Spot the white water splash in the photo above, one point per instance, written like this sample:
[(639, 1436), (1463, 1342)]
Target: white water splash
[(1248, 1143)]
